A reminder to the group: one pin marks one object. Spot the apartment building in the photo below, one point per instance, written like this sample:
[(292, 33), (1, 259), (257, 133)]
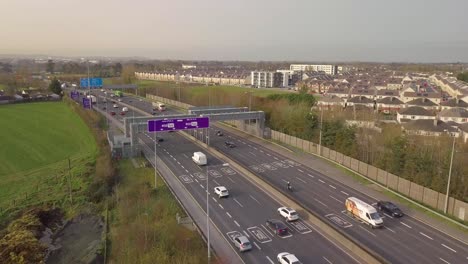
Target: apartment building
[(328, 69), (264, 79)]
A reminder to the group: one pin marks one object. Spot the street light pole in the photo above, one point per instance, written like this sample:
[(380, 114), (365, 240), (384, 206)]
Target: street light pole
[(155, 161), (449, 176)]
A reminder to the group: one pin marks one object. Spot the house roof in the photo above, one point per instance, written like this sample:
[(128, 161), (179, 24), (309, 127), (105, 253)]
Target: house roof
[(430, 125), (331, 99), (360, 100), (421, 102), (463, 127), (454, 103), (454, 112), (388, 92), (415, 110), (390, 100)]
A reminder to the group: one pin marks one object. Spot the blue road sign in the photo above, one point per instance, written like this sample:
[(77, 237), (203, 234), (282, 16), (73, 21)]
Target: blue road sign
[(178, 124), (93, 82), (86, 103), (74, 95)]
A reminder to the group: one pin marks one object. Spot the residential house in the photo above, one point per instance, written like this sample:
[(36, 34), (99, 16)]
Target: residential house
[(330, 101), (426, 127), (386, 93), (361, 100), (456, 114), (339, 92), (414, 113), (464, 130), (454, 102), (363, 91), (424, 103), (389, 105)]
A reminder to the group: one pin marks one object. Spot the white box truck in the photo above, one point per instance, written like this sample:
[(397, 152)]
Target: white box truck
[(199, 158), (158, 106), (365, 212)]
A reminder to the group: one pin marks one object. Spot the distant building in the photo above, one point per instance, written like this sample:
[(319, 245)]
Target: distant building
[(328, 69), (185, 66), (263, 79)]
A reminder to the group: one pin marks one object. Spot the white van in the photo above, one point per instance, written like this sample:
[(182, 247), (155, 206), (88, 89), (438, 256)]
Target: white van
[(199, 158), (364, 211), (125, 109)]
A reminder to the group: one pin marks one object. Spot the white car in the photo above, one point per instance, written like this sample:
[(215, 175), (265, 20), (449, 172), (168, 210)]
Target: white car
[(120, 100), (287, 258), (288, 213), (221, 191), (116, 106)]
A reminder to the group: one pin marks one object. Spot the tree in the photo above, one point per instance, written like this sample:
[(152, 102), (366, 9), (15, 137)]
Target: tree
[(50, 66), (55, 86), (463, 76), (117, 69), (128, 74)]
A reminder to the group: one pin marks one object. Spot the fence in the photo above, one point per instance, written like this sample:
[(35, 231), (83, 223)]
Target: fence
[(421, 194)]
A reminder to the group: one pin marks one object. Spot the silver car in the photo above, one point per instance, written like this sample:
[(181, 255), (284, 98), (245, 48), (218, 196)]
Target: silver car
[(242, 243)]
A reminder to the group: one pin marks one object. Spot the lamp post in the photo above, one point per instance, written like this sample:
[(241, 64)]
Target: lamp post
[(250, 101), (208, 210), (449, 176)]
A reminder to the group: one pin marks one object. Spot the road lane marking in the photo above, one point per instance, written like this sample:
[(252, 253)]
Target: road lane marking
[(185, 155), (259, 234), (275, 158), (269, 232), (389, 229), (320, 202), (221, 206), (449, 248), (255, 148), (229, 215), (186, 170), (310, 175), (331, 186), (217, 183), (406, 225), (214, 199), (388, 215), (367, 231), (202, 186), (261, 151), (245, 232), (252, 153), (321, 181), (345, 193), (271, 261), (327, 260), (426, 235), (336, 199), (238, 202), (300, 170), (300, 226), (254, 199), (178, 162), (231, 179), (301, 180), (259, 248), (444, 260), (195, 179), (268, 155), (237, 224)]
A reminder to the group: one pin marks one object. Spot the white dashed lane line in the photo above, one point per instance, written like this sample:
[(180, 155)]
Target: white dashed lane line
[(406, 225), (300, 170), (221, 206), (426, 235), (259, 248), (214, 199), (320, 202), (246, 234), (336, 199), (268, 155), (345, 193), (238, 202), (229, 215), (444, 260), (271, 261), (389, 229), (449, 248), (254, 199), (331, 186), (237, 224), (310, 175), (301, 180), (327, 260), (321, 181)]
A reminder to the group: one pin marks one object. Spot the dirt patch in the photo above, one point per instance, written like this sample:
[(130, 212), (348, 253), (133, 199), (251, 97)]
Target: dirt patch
[(78, 242)]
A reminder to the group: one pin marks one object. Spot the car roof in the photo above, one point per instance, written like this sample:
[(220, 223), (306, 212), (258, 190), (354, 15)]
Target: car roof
[(291, 257), (222, 188), (243, 239)]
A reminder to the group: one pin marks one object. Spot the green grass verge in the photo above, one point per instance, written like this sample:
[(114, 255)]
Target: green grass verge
[(143, 226), (37, 140)]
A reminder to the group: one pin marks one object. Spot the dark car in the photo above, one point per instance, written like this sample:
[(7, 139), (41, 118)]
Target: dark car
[(277, 226), (112, 113), (389, 208), (122, 113), (159, 139), (229, 144), (219, 133)]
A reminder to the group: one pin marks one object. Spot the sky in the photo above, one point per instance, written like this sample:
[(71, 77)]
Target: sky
[(287, 30)]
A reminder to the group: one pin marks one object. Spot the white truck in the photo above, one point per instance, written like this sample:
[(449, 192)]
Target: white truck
[(93, 98), (159, 106), (365, 212), (199, 158)]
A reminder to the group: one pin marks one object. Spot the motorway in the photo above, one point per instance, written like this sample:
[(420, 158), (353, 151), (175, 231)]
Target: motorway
[(402, 240), (247, 208)]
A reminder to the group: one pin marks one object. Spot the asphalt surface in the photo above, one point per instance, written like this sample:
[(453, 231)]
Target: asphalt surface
[(402, 240), (247, 208)]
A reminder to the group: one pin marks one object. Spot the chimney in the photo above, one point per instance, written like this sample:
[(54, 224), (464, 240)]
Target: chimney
[(435, 121), (457, 100)]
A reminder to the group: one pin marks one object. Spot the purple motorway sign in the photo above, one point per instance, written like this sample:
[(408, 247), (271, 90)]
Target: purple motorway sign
[(86, 103), (74, 95), (178, 124)]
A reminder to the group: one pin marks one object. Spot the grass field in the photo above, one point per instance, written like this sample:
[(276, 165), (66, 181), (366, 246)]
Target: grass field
[(143, 226), (37, 140)]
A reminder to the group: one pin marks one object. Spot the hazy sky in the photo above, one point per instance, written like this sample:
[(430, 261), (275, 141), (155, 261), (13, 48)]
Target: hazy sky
[(306, 30)]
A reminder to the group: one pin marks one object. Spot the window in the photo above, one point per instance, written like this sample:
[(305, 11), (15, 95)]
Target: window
[(413, 117)]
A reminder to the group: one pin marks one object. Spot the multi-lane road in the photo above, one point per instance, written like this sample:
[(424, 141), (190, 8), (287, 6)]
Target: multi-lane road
[(402, 240)]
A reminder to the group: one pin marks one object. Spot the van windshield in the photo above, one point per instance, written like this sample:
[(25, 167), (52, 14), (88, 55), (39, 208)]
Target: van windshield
[(375, 216)]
